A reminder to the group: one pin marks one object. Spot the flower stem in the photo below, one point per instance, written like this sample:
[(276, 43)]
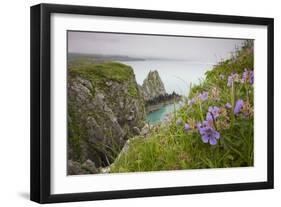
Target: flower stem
[(214, 121), (232, 103), (201, 112)]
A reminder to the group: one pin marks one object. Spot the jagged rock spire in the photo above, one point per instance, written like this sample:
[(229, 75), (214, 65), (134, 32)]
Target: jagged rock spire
[(153, 86)]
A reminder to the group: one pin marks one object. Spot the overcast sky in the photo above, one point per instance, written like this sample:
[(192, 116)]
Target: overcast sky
[(206, 50)]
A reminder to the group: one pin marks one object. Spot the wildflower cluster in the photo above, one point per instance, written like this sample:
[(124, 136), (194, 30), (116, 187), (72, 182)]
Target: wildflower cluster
[(212, 128), (219, 117), (207, 129), (248, 76), (234, 77), (203, 96), (208, 133)]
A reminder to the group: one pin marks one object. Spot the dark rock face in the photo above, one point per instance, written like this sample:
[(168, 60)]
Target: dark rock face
[(104, 110), (153, 86)]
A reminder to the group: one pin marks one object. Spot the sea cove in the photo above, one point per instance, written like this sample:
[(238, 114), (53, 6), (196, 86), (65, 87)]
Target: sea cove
[(139, 103), (162, 113), (177, 75)]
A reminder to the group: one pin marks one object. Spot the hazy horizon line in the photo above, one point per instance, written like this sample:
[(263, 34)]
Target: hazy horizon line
[(141, 58)]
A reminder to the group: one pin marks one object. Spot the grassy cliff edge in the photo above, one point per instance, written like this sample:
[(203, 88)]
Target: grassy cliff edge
[(213, 128)]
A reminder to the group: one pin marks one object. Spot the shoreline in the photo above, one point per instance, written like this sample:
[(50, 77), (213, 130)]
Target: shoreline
[(154, 107)]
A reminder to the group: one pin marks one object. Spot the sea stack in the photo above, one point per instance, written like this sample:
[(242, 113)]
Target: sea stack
[(152, 86)]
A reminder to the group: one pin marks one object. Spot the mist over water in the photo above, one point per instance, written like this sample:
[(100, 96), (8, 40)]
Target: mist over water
[(179, 61), (176, 75)]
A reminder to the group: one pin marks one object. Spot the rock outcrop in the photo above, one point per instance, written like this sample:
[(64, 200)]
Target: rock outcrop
[(76, 168), (154, 92), (105, 108), (153, 86)]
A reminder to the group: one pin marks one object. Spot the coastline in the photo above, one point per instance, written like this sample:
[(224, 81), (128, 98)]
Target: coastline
[(154, 107)]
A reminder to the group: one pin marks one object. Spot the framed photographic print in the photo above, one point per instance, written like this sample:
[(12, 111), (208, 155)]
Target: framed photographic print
[(132, 103)]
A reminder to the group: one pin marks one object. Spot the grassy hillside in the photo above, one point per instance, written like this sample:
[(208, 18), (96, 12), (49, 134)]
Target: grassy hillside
[(213, 128), (100, 73)]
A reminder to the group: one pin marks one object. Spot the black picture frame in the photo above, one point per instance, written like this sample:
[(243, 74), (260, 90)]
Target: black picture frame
[(41, 99)]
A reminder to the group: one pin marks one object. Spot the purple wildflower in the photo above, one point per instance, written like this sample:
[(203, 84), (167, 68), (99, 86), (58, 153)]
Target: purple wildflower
[(238, 106), (203, 96), (228, 105), (229, 80), (191, 102), (245, 76), (213, 113), (248, 76), (209, 134), (232, 78), (205, 123), (251, 77), (186, 127)]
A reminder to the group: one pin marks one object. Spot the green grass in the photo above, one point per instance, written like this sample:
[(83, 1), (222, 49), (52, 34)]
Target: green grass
[(75, 133), (170, 147), (133, 90), (103, 71)]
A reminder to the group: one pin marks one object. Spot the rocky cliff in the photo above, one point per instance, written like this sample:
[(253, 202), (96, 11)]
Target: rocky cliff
[(153, 86), (105, 108), (154, 92)]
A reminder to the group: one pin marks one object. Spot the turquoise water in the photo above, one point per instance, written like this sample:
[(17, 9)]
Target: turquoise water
[(159, 115)]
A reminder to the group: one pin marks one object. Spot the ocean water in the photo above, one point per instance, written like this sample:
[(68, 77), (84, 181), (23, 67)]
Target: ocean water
[(159, 115), (176, 75)]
